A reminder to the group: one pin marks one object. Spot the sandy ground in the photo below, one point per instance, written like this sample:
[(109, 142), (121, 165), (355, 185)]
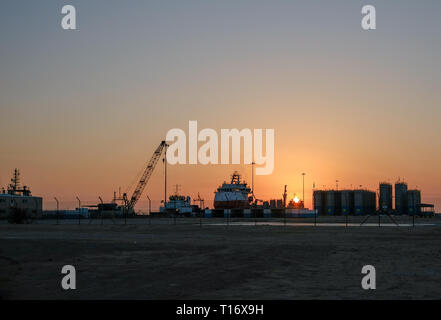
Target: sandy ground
[(186, 261)]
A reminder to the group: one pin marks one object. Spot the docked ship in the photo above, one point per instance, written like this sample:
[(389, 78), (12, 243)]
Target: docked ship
[(233, 195), (179, 204)]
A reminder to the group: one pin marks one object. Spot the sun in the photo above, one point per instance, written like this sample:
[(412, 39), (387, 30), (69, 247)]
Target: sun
[(296, 199)]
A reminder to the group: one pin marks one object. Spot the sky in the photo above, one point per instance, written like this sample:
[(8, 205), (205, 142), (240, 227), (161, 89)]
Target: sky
[(83, 110)]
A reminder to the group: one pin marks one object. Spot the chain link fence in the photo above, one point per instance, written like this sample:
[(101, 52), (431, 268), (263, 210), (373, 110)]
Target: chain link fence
[(229, 221)]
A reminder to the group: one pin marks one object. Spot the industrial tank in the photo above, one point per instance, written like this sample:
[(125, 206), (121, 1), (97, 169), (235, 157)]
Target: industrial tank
[(413, 202), (364, 202), (385, 199), (330, 202), (347, 202), (401, 197), (319, 201)]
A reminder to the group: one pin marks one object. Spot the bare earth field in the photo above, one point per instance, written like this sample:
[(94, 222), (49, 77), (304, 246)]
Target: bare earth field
[(186, 261)]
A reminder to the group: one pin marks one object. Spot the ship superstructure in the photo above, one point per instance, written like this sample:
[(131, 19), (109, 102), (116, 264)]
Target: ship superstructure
[(233, 195), (179, 204), (17, 197)]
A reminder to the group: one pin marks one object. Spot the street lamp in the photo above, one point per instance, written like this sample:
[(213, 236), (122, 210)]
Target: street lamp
[(303, 197), (150, 204), (252, 177), (79, 210), (58, 207)]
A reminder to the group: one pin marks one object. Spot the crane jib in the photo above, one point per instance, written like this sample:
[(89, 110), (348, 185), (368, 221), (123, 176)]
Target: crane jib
[(146, 175)]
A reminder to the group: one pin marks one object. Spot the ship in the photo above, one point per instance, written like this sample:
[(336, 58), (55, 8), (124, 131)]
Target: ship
[(179, 204), (233, 195)]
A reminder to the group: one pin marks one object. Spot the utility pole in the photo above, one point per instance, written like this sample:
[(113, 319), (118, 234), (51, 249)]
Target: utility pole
[(165, 176), (79, 210), (252, 177), (284, 197), (303, 197), (150, 204), (58, 207)]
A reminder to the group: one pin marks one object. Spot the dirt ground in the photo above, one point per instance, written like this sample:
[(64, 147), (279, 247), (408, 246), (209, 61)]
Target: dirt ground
[(186, 261)]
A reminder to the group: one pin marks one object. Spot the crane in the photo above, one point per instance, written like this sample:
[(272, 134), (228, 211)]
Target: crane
[(130, 204), (201, 201)]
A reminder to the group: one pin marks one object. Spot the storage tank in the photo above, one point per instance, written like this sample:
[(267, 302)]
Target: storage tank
[(385, 199), (413, 202), (319, 201), (358, 202), (272, 203), (400, 198), (371, 204), (347, 202), (364, 202), (330, 202)]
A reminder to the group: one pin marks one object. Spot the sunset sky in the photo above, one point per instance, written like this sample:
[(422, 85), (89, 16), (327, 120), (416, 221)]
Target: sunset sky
[(82, 111)]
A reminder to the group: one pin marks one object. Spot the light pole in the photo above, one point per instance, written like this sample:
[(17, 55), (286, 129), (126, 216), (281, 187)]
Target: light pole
[(79, 210), (58, 207), (303, 197), (100, 210), (165, 176), (150, 204), (252, 177)]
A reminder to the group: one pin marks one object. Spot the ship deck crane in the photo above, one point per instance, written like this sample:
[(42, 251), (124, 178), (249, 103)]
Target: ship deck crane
[(130, 204), (201, 201)]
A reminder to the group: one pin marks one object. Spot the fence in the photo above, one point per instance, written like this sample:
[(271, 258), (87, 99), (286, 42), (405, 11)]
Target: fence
[(231, 220)]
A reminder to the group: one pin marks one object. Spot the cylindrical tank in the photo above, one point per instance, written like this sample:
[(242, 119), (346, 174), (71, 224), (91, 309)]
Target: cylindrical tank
[(319, 201), (330, 202), (364, 202), (385, 200), (347, 202), (272, 203), (358, 202), (401, 198), (413, 202), (371, 202)]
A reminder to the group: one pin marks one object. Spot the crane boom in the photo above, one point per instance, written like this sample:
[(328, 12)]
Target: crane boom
[(146, 175)]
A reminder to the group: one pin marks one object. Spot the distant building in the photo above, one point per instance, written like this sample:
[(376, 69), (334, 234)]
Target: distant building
[(296, 204), (21, 198)]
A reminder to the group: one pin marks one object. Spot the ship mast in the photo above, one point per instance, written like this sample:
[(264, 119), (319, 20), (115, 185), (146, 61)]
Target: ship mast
[(15, 185)]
